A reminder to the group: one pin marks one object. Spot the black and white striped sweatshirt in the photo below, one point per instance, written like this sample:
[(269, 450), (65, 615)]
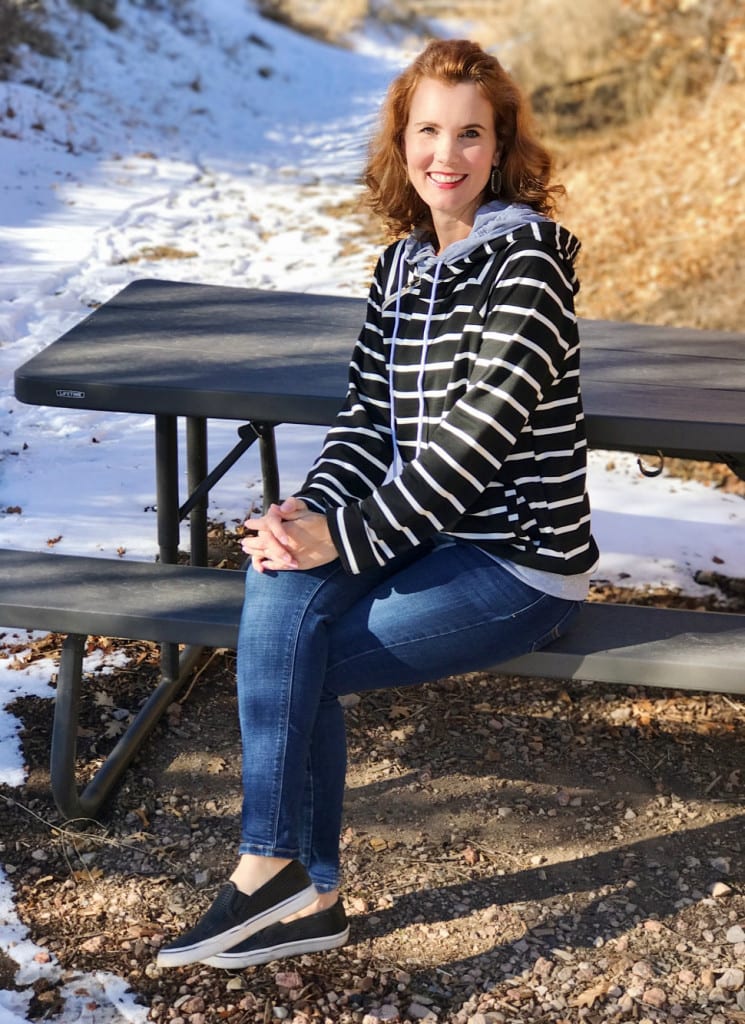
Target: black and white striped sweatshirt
[(484, 438)]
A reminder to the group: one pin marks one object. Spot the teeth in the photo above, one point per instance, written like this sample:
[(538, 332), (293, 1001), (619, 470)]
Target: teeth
[(446, 179)]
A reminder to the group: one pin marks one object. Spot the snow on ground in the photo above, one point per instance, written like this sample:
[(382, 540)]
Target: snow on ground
[(227, 140)]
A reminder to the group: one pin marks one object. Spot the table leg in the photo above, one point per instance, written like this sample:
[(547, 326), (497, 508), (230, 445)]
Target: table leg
[(86, 802), (736, 463), (196, 469), (166, 483), (269, 467)]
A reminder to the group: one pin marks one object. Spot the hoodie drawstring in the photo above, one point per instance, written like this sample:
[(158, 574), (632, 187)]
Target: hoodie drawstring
[(397, 462), (423, 361)]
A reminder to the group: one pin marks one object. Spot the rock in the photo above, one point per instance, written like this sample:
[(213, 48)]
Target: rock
[(720, 889), (653, 926), (732, 980), (654, 997), (419, 1012), (735, 934), (194, 1004), (288, 979), (721, 864), (235, 985), (643, 969), (563, 954)]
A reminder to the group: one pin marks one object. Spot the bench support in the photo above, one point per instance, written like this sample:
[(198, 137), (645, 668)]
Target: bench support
[(71, 802)]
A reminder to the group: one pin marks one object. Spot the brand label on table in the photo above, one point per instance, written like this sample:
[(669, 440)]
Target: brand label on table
[(67, 393)]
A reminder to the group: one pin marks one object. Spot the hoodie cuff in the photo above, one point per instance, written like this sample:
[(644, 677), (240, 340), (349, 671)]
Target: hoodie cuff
[(352, 540)]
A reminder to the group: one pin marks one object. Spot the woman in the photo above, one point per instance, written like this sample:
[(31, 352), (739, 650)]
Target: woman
[(445, 526)]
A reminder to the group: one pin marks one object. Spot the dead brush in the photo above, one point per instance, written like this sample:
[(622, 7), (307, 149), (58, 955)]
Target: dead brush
[(20, 24)]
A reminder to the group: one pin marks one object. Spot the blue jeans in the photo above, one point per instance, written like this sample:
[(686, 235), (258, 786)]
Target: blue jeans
[(307, 637)]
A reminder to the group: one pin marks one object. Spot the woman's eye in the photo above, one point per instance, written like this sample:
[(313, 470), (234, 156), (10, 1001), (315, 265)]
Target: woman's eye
[(428, 130), (471, 133)]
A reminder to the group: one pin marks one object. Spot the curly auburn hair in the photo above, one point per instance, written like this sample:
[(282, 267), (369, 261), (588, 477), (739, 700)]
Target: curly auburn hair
[(524, 162)]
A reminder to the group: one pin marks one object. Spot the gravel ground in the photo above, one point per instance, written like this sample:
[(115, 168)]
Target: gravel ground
[(514, 850)]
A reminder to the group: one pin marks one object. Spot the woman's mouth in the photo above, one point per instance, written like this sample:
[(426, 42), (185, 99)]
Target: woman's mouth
[(446, 180)]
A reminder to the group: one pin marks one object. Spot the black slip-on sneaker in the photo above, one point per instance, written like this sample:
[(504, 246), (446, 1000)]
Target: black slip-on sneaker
[(234, 916), (327, 929)]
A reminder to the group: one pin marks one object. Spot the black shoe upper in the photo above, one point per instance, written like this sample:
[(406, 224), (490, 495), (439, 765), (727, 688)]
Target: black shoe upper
[(232, 908)]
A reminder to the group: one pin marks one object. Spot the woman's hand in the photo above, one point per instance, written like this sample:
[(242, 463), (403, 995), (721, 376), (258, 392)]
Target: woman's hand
[(288, 536)]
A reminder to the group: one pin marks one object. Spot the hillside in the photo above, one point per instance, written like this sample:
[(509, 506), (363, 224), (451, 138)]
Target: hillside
[(660, 206)]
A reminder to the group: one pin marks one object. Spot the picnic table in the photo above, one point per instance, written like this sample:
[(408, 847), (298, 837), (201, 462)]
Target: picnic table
[(199, 352), (205, 352)]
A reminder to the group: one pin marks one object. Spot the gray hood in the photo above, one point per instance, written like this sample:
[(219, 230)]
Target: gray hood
[(492, 220)]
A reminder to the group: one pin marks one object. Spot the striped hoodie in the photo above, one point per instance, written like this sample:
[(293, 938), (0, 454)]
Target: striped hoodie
[(463, 415)]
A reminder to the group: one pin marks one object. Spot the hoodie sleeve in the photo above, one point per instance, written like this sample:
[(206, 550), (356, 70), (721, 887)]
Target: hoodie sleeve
[(357, 450), (529, 332)]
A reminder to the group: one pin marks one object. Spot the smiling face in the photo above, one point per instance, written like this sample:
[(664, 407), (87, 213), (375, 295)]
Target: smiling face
[(450, 146)]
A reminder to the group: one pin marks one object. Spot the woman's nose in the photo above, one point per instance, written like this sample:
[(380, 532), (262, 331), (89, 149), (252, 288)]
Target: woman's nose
[(444, 149)]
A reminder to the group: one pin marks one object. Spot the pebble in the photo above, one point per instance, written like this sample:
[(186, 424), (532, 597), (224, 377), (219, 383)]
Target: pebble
[(654, 997), (735, 934), (732, 980), (288, 979), (419, 1012), (562, 954), (721, 864), (720, 889), (643, 969)]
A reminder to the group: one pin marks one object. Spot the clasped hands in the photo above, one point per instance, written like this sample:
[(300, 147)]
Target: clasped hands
[(288, 536)]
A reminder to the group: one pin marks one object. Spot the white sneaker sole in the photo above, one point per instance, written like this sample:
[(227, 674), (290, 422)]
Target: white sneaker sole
[(235, 961)]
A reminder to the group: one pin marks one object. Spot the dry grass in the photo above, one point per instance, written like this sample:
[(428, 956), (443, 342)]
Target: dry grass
[(660, 207), (160, 252), (329, 20)]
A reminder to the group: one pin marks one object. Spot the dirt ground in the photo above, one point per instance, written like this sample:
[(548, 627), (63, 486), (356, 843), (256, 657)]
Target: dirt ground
[(514, 850)]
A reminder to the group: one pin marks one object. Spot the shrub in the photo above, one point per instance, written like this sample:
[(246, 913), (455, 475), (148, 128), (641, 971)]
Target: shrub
[(102, 10), (20, 24)]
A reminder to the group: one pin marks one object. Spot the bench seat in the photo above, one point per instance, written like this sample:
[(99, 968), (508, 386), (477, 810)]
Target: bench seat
[(82, 596), (111, 597)]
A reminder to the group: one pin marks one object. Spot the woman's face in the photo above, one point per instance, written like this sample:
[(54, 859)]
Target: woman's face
[(451, 147)]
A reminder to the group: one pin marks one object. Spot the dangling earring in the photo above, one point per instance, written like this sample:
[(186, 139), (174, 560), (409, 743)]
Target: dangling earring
[(496, 181)]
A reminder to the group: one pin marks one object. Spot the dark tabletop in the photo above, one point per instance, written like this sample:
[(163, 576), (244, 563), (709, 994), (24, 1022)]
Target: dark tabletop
[(247, 354)]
